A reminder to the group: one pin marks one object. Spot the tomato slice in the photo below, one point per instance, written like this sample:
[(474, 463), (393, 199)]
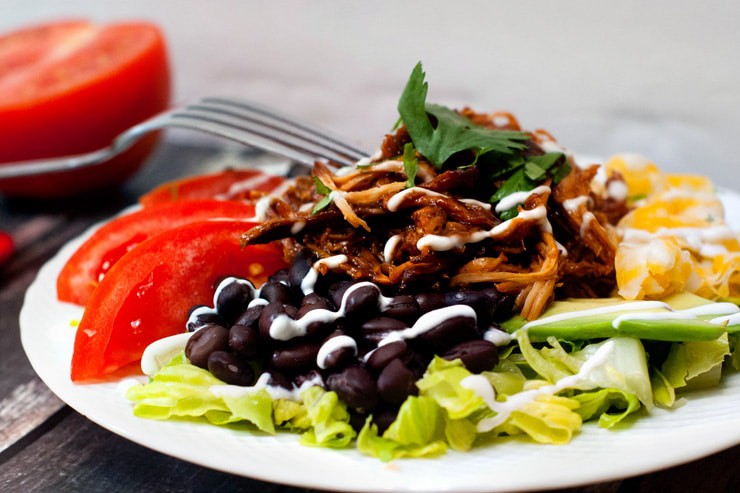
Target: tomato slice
[(228, 184), (148, 292), (70, 87), (87, 266)]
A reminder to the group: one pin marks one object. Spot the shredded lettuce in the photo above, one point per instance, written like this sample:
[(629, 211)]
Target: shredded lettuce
[(441, 382), (598, 404), (418, 431), (329, 419), (696, 364)]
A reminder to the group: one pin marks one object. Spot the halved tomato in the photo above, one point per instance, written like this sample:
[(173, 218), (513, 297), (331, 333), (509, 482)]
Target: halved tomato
[(229, 184), (70, 87), (92, 260), (148, 292)]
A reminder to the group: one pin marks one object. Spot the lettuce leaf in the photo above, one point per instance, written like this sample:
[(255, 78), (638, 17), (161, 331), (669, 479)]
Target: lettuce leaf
[(441, 382), (696, 364), (418, 431), (548, 419), (598, 403), (184, 390), (328, 418)]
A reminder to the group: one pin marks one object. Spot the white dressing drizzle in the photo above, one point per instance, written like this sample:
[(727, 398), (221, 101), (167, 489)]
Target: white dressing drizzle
[(275, 391), (427, 322), (161, 352), (398, 199), (516, 198), (482, 387), (730, 320), (629, 306), (442, 243), (334, 344), (572, 205), (309, 280), (284, 328), (586, 222), (390, 247), (476, 202), (498, 337)]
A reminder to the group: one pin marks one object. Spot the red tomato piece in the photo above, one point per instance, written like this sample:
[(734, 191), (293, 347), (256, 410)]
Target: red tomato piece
[(7, 247), (228, 184), (148, 292), (71, 87), (87, 266)]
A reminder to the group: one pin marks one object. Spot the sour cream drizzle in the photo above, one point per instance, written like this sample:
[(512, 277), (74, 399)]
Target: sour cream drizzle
[(442, 243), (482, 387), (275, 391), (390, 247), (309, 280), (334, 344), (516, 198)]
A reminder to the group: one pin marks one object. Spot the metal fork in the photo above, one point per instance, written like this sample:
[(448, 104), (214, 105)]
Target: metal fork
[(245, 122)]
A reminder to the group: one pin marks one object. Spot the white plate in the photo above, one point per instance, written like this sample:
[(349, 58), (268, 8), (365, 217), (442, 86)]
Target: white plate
[(709, 422)]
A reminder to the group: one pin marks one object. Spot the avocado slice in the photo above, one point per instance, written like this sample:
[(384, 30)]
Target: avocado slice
[(596, 326)]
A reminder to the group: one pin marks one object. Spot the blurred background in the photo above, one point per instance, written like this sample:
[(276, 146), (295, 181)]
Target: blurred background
[(661, 79)]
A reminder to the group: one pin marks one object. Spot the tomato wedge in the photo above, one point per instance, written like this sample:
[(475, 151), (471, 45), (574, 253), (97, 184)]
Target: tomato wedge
[(87, 266), (148, 292), (70, 87), (228, 184)]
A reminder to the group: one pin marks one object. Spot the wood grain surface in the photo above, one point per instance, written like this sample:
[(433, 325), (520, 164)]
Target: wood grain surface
[(61, 451)]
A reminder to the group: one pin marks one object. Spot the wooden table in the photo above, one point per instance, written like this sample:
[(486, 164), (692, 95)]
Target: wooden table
[(63, 451)]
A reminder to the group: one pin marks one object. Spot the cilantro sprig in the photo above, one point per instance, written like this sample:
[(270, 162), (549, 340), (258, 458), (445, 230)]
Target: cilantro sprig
[(451, 132), (438, 133)]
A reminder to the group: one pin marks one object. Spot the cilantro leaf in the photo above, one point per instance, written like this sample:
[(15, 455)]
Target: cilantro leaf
[(518, 182), (534, 171), (453, 132), (321, 189), (410, 164)]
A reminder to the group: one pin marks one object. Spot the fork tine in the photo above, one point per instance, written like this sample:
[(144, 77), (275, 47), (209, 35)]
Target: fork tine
[(256, 133), (274, 119), (220, 127)]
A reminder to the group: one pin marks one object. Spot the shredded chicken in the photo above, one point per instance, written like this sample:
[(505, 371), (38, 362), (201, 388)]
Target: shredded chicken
[(562, 242)]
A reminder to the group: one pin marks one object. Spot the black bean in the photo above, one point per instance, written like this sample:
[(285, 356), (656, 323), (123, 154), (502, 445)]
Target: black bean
[(296, 357), (279, 276), (229, 368), (380, 358), (275, 292), (356, 387), (250, 317), (449, 332), (277, 379), (233, 297), (501, 306), (477, 300), (430, 301), (396, 382), (362, 302), (377, 328), (244, 340), (268, 315), (477, 355), (299, 268), (403, 308), (384, 418), (336, 291), (200, 316), (203, 342), (315, 300)]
